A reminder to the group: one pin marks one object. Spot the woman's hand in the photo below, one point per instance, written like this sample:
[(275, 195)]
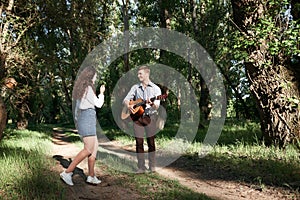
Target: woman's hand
[(102, 89)]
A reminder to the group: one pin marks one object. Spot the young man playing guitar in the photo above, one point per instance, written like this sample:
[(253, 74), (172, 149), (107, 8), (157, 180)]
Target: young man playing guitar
[(144, 92)]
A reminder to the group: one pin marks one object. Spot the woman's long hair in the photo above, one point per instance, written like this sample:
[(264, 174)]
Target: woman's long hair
[(83, 81)]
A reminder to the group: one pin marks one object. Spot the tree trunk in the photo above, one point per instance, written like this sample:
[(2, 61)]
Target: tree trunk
[(15, 23), (275, 86), (22, 120), (3, 116), (3, 57), (279, 116), (204, 102), (126, 28)]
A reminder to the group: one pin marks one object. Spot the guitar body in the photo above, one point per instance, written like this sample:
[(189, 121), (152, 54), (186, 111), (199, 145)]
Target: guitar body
[(139, 108)]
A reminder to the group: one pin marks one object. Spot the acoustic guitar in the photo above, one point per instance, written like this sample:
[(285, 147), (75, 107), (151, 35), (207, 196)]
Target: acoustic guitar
[(139, 107)]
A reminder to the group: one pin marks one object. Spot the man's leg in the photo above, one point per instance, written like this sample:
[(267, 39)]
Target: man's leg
[(139, 139), (151, 153), (150, 132)]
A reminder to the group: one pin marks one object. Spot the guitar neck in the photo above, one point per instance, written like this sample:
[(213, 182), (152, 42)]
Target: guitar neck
[(152, 99), (139, 104), (145, 101), (157, 97)]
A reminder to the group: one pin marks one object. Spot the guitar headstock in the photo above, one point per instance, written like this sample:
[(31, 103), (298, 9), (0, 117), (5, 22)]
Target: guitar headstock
[(160, 97), (163, 96)]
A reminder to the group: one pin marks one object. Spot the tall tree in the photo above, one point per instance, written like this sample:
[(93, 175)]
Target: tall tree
[(269, 39), (16, 18), (70, 30), (126, 19), (204, 102)]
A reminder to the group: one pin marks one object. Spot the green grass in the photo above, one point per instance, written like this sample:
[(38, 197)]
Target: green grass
[(240, 154), (153, 186), (25, 169)]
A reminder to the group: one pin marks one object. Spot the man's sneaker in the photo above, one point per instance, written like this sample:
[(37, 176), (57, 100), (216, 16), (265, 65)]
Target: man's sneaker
[(152, 169), (141, 170), (93, 180), (67, 177)]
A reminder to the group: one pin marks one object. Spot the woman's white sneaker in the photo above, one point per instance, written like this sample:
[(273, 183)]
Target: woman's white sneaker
[(93, 180), (67, 177)]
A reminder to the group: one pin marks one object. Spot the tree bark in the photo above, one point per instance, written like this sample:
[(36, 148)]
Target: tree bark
[(204, 102), (126, 28), (3, 58), (279, 117), (3, 117), (275, 87)]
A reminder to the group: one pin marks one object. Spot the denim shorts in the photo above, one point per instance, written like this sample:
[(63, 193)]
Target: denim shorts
[(86, 123)]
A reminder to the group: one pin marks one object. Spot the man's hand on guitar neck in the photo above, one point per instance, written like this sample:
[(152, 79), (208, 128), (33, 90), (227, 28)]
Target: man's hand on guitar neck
[(151, 103)]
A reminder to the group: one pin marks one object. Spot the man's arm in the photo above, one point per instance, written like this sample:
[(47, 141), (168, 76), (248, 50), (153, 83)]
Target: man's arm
[(129, 97), (156, 103), (129, 107)]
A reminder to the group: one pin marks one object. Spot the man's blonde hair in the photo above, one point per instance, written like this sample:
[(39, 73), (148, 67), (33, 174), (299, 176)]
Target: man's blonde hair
[(145, 68)]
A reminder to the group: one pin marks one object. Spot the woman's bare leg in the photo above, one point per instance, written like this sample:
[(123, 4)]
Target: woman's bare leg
[(92, 158), (79, 157), (91, 165)]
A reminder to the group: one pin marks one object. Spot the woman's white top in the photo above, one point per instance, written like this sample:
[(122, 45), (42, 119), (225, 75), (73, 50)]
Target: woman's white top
[(90, 100)]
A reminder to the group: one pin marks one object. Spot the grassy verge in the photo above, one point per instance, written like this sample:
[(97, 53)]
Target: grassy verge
[(239, 155), (25, 170), (153, 186)]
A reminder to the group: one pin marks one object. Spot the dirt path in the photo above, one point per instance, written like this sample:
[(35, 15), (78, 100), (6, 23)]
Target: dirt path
[(109, 189)]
